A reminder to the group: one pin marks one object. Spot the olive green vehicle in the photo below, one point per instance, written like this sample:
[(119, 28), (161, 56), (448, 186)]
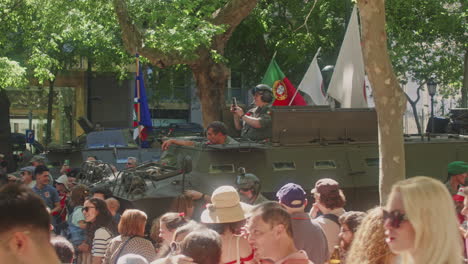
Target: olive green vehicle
[(308, 143)]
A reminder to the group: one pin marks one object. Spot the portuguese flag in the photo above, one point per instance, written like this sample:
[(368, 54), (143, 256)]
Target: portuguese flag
[(283, 89)]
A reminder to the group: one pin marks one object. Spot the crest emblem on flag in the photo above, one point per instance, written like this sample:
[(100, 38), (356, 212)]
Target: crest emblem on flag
[(279, 90)]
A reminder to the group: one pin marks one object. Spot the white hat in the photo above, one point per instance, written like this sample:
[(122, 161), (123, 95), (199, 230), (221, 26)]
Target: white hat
[(226, 207), (63, 180), (132, 259)]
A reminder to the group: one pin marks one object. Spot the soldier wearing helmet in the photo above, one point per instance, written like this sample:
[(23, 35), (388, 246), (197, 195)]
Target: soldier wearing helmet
[(248, 186), (255, 124)]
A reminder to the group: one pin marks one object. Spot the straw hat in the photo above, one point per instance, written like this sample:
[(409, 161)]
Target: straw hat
[(226, 207)]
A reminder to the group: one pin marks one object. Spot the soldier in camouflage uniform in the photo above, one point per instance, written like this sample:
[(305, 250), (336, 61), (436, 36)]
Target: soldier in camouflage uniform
[(256, 123), (216, 133)]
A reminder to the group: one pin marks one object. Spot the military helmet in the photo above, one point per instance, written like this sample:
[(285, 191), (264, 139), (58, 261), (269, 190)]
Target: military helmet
[(248, 181), (38, 158), (265, 90)]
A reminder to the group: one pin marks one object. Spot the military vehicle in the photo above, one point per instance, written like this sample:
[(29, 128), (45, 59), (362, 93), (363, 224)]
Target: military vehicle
[(308, 143), (111, 146)]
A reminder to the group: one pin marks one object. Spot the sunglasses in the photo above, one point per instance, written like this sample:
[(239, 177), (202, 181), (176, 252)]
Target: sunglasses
[(86, 208), (395, 217)]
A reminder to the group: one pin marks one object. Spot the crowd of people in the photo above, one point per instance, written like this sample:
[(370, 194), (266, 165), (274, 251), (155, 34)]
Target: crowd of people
[(63, 221)]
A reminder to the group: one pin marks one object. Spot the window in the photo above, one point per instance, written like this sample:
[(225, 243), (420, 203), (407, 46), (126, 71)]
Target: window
[(372, 162), (284, 165), (221, 168), (324, 164)]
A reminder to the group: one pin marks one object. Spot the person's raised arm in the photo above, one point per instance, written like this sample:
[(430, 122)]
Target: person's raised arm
[(167, 143)]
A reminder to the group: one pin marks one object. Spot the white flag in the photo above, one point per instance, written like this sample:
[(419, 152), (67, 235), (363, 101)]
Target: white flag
[(347, 83), (312, 83)]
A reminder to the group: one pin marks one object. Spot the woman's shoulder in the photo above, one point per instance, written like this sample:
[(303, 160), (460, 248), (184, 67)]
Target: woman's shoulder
[(102, 232)]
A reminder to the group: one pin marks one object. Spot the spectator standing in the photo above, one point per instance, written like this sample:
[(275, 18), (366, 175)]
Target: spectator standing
[(457, 173), (307, 235), (24, 227), (226, 215), (349, 222), (168, 224), (329, 201), (48, 193), (102, 193), (204, 247), (270, 234), (77, 225), (131, 239), (27, 176), (420, 222), (183, 204), (369, 245), (63, 249), (61, 185), (100, 228)]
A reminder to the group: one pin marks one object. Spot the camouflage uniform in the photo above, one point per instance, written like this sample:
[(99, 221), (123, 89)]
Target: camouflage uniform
[(257, 134)]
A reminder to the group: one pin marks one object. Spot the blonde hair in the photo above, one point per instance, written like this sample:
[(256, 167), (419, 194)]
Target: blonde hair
[(368, 246), (132, 222), (431, 212)]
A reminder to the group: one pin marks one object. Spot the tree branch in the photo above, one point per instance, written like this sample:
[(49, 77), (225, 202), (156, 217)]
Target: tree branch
[(231, 15), (133, 39)]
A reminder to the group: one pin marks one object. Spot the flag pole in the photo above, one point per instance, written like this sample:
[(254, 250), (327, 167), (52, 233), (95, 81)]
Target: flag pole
[(138, 95), (297, 90)]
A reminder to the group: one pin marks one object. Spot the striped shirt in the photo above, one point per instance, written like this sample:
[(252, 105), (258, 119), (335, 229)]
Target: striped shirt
[(102, 238)]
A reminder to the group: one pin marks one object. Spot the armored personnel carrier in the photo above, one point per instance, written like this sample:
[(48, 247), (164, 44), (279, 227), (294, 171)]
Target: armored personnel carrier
[(308, 143)]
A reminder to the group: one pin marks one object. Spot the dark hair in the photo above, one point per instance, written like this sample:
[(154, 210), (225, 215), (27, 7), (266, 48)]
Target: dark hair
[(21, 207), (204, 247), (103, 219), (273, 214), (40, 169), (332, 199), (104, 190), (173, 220), (234, 227), (63, 248), (352, 219), (218, 127), (78, 195)]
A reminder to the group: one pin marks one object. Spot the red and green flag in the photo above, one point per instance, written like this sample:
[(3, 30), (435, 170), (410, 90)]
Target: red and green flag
[(283, 89)]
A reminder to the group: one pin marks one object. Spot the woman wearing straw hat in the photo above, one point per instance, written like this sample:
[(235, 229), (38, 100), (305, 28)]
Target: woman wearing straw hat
[(226, 215)]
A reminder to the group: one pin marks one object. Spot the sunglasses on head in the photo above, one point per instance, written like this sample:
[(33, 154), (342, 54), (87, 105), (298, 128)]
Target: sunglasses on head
[(395, 217), (86, 208)]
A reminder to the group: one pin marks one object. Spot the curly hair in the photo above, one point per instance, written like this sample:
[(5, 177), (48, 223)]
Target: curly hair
[(369, 245), (332, 199), (352, 219)]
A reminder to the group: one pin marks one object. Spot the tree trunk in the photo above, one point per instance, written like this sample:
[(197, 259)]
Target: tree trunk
[(416, 118), (49, 113), (390, 101), (5, 130), (211, 79), (464, 90)]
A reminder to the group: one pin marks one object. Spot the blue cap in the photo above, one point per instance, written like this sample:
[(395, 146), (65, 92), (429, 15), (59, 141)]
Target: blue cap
[(292, 195)]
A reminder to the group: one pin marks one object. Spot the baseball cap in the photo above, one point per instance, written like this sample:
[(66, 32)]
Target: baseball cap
[(38, 158), (292, 195), (29, 169), (63, 180), (457, 167), (325, 185)]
